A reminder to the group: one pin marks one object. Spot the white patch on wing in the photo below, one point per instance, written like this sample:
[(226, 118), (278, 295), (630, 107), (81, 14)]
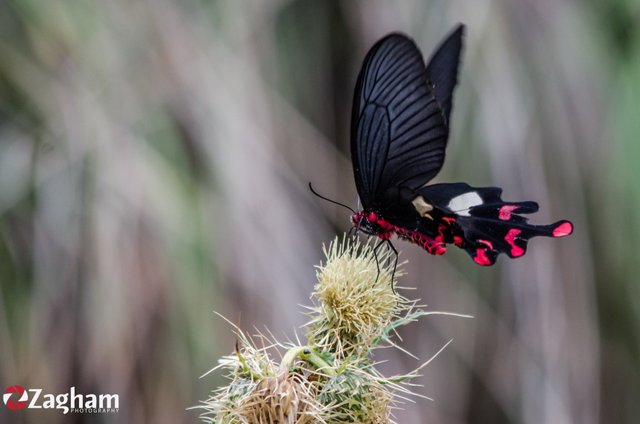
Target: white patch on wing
[(462, 203), (422, 207)]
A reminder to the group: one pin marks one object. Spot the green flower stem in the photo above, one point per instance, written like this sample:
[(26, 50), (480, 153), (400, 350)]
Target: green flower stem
[(308, 354), (246, 369)]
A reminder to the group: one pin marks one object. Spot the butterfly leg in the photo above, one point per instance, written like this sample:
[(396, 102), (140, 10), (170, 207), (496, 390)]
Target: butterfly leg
[(395, 263), (352, 234), (375, 254)]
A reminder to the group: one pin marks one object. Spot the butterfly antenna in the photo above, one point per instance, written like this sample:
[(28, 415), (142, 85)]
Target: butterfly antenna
[(329, 200)]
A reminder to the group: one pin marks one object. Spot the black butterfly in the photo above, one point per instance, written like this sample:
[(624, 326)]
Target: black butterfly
[(399, 130)]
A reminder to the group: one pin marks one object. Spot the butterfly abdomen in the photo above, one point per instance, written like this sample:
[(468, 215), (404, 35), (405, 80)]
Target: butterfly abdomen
[(435, 246)]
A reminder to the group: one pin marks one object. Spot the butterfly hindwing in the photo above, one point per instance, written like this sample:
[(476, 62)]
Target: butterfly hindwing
[(485, 238), (484, 225), (400, 115)]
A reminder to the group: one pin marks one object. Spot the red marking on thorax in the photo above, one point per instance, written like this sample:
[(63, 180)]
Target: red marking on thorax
[(505, 212), (386, 229), (510, 238), (563, 229)]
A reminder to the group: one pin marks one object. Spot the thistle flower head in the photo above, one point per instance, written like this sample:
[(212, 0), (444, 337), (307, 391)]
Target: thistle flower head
[(355, 396), (283, 399), (355, 295), (261, 390)]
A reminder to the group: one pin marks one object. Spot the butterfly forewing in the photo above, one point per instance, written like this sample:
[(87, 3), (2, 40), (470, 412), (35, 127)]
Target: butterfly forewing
[(443, 70), (399, 125)]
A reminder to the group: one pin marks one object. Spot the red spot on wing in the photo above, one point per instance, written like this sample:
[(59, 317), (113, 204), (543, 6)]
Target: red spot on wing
[(481, 257), (510, 238), (563, 229), (449, 219), (458, 241), (505, 211), (441, 229)]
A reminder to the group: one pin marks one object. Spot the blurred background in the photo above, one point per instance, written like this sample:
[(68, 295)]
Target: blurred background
[(154, 160)]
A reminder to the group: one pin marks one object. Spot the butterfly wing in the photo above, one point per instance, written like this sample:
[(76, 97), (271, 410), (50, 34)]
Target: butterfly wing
[(484, 225), (400, 116), (399, 132)]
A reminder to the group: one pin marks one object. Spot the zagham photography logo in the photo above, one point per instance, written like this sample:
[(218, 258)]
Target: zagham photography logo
[(16, 398)]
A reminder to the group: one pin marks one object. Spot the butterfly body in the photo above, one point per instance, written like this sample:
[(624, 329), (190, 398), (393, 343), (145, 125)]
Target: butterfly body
[(422, 234), (399, 131)]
